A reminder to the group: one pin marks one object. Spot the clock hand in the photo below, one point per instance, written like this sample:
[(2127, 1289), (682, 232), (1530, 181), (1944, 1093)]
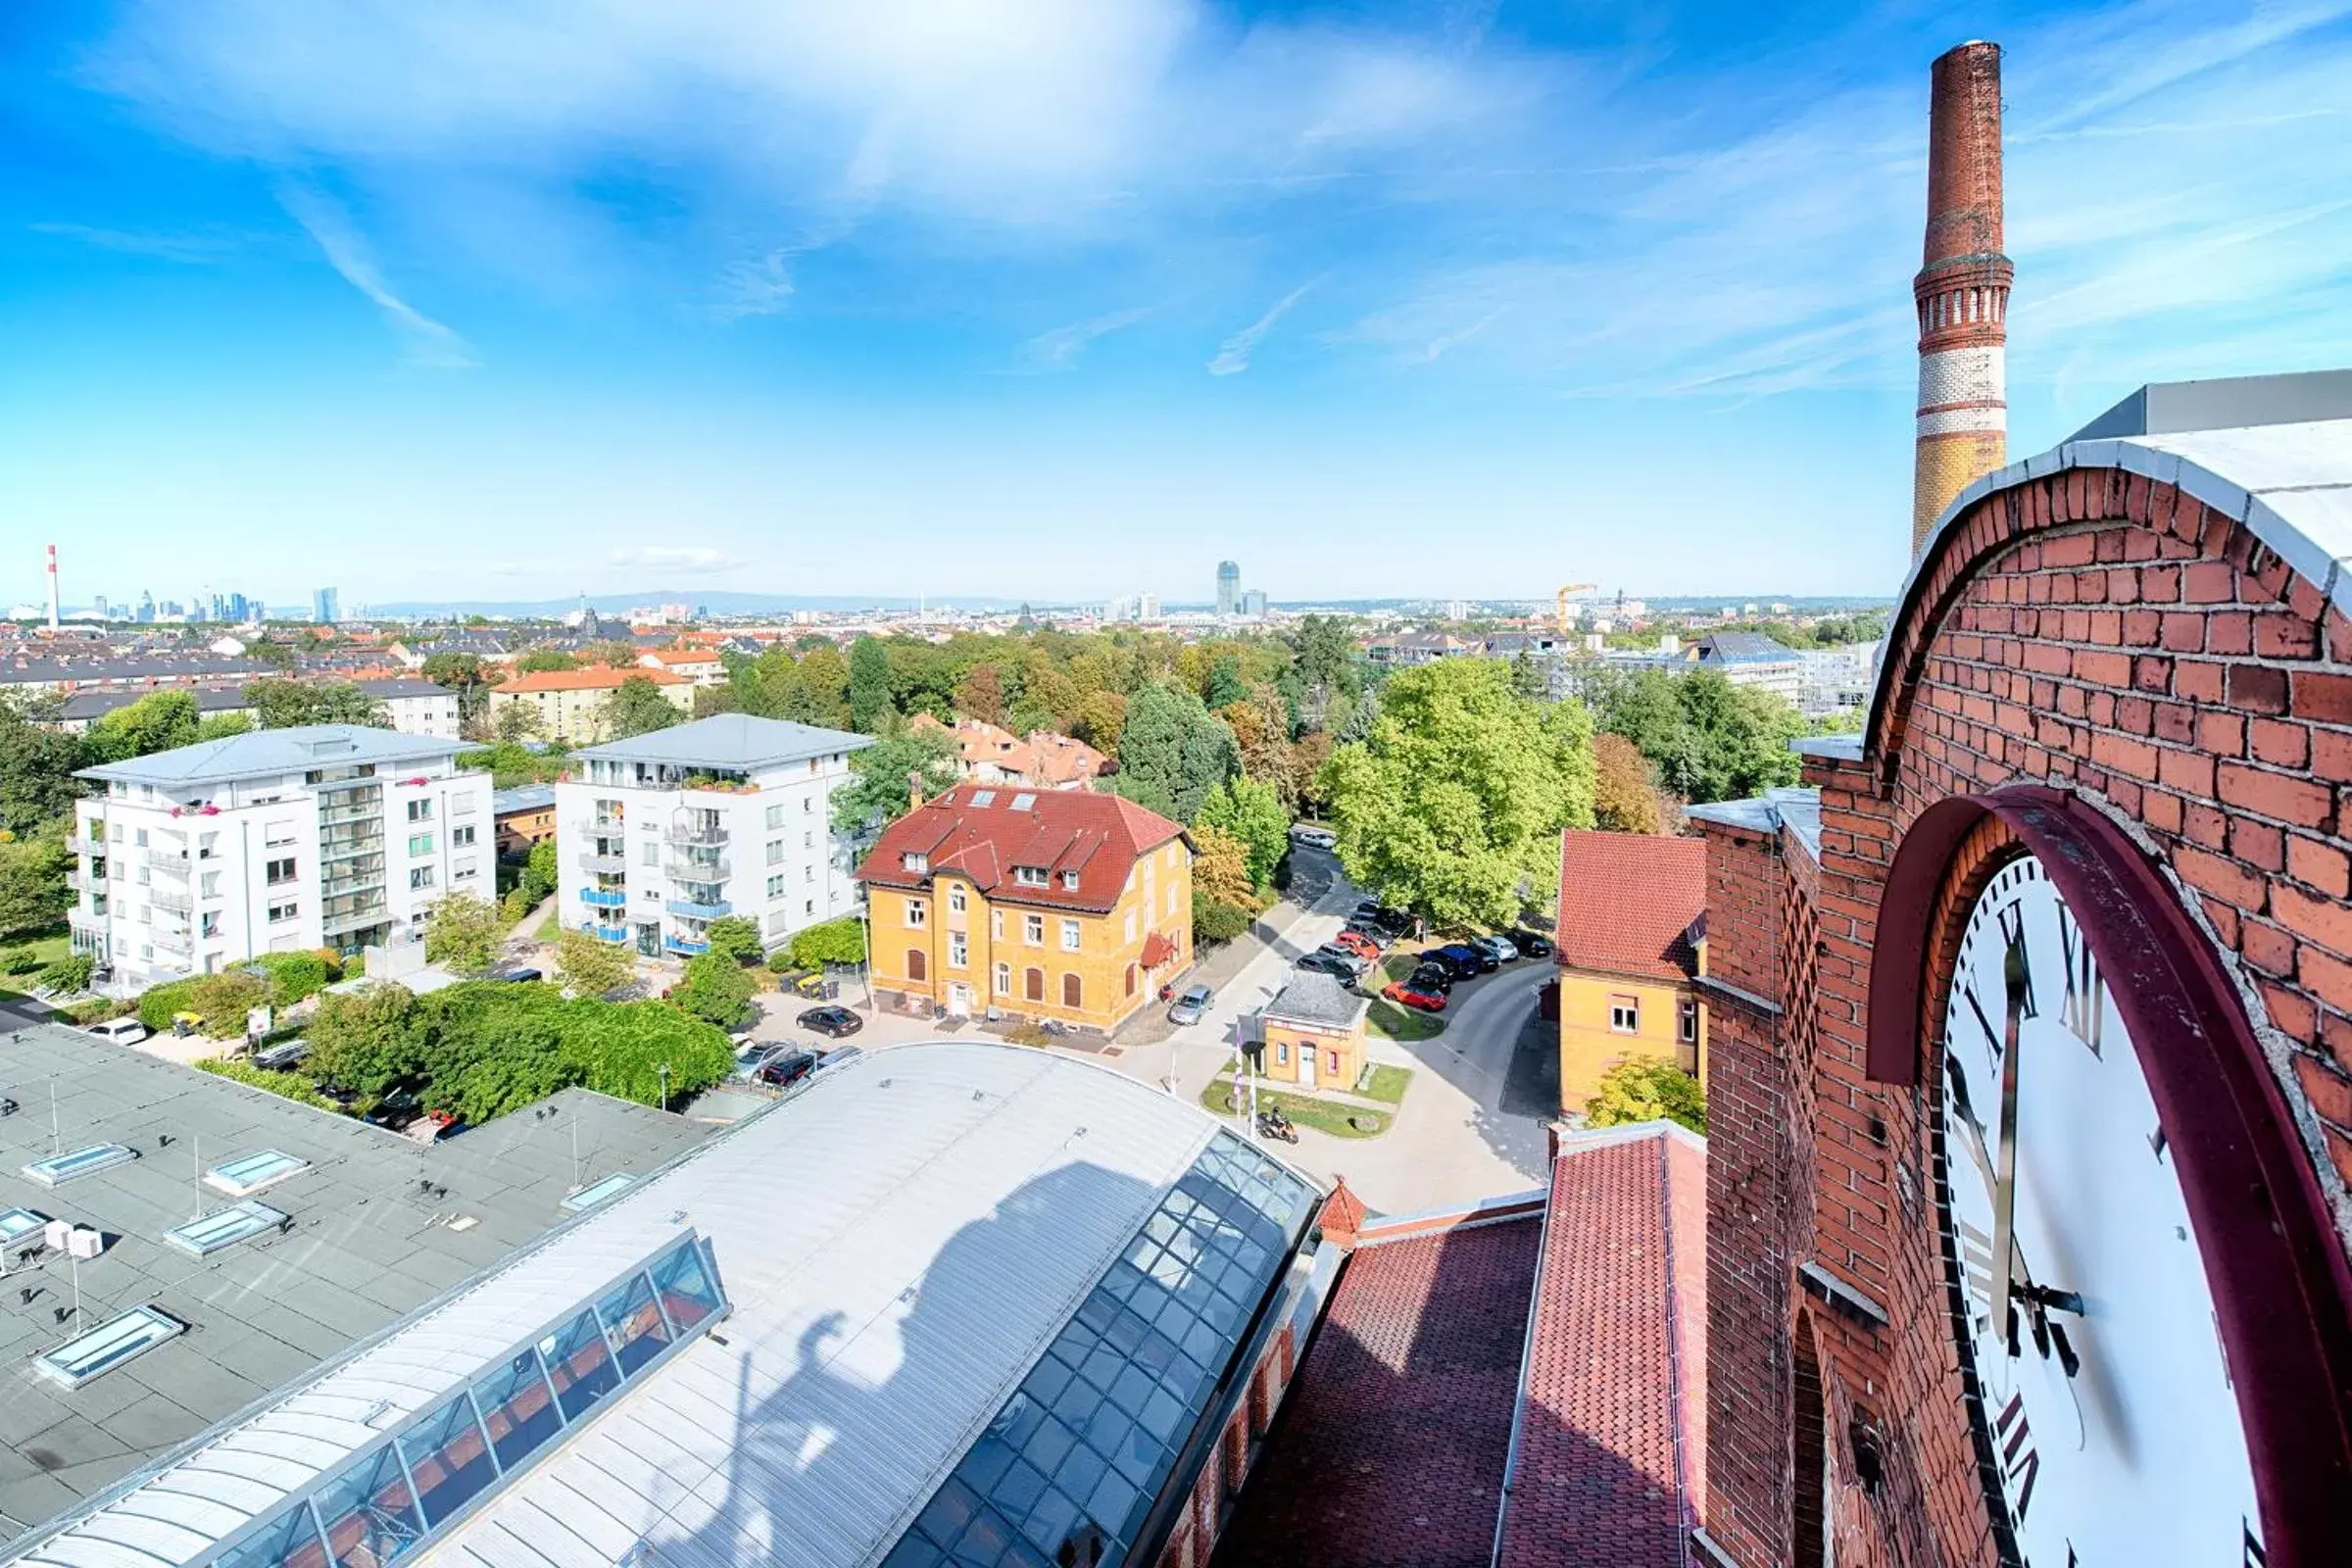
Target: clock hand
[(2004, 1189)]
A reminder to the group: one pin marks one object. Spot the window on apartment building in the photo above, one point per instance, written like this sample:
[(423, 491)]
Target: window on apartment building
[(460, 837), (1686, 1023), (918, 965), (277, 835), (1332, 1063), (1073, 991), (808, 841), (809, 906), (1129, 936), (420, 843), (653, 854), (808, 874), (916, 862), (775, 815), (1033, 984), (420, 810), (1131, 979), (807, 805), (996, 924), (212, 922), (1624, 1014), (464, 871), (1282, 1053), (1033, 930), (959, 951), (280, 912), (420, 876), (1171, 900), (776, 885), (776, 851), (1069, 936), (917, 913), (1004, 980), (208, 885), (955, 898), (276, 871), (1031, 876)]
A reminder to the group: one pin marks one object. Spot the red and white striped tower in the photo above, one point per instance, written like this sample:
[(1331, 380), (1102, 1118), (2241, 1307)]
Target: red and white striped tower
[(53, 587), (1962, 289)]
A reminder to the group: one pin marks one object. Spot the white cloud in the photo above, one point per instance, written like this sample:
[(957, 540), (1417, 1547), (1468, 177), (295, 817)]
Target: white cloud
[(680, 560), (1233, 355), (1061, 348), (428, 342), (189, 248)]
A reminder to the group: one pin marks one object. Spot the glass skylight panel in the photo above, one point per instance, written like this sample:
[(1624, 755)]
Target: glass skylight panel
[(1022, 803), (62, 1168), (1072, 1466), (248, 1174), (17, 1223), (984, 798), (595, 1192), (224, 1227), (108, 1346)]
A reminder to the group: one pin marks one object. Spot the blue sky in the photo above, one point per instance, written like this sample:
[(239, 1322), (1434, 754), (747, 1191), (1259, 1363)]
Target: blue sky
[(1068, 298)]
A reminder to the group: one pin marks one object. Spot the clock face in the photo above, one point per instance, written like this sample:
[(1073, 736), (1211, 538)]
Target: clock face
[(2081, 1295)]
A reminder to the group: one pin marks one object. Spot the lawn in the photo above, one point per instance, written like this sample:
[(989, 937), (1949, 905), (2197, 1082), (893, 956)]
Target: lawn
[(549, 928), (1392, 1022), (1388, 1085), (46, 948), (1323, 1115)]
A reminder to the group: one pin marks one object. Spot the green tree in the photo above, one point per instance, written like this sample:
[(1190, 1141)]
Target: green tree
[(615, 653), (462, 931), (841, 941), (513, 723), (286, 704), (1252, 811), (37, 763), (1645, 1089), (590, 966), (33, 896), (1454, 805), (271, 652), (1172, 751), (364, 1040), (1214, 920), (878, 790), (291, 976), (981, 694), (545, 659), (463, 674), (715, 988), (735, 938), (869, 690), (1101, 717), (160, 721), (1222, 867), (1708, 739), (1623, 800), (638, 708), (1224, 684), (625, 1048)]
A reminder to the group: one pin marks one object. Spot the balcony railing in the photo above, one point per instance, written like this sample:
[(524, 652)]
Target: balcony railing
[(685, 945), (87, 924), (681, 869), (695, 833), (168, 941), (696, 910), (79, 882), (175, 867), (605, 933), (608, 864), (614, 898), (178, 903)]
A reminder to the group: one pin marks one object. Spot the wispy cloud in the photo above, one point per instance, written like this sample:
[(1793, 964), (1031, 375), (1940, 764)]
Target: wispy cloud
[(194, 249), (1233, 355), (759, 285), (677, 560), (428, 342), (1061, 348)]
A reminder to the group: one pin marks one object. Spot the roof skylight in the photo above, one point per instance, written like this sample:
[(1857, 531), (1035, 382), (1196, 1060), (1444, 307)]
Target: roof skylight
[(596, 1193), (248, 1174), (224, 1227), (984, 798), (108, 1346), (59, 1169), (1022, 803), (17, 1223)]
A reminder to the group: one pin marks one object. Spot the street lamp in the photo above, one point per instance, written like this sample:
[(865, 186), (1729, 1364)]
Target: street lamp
[(665, 1070)]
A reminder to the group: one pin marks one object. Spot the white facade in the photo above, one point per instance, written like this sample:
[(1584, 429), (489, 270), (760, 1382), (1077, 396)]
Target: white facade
[(417, 706), (331, 835), (729, 816)]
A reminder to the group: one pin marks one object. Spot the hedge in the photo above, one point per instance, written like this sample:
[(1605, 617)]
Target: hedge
[(285, 1084)]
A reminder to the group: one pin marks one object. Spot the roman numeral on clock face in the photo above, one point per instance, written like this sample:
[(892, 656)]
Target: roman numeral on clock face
[(2020, 1461), (2253, 1556), (1975, 1267), (2086, 992)]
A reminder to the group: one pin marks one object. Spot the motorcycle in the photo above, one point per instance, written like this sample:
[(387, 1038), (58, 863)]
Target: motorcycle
[(1272, 1123)]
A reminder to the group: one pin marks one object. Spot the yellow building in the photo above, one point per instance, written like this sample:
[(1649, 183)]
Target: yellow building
[(569, 705), (1630, 941), (1039, 904), (1312, 1033)]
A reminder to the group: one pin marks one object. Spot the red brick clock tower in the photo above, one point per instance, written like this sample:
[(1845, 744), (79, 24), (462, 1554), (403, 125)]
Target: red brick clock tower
[(2030, 1116)]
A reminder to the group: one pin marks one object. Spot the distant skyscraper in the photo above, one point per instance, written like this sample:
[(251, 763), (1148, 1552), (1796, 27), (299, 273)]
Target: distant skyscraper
[(1229, 587), (98, 607), (236, 609), (146, 614), (1147, 607), (325, 608), (1253, 603)]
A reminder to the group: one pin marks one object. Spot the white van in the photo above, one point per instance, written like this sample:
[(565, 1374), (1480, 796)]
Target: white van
[(1321, 838), (121, 1031)]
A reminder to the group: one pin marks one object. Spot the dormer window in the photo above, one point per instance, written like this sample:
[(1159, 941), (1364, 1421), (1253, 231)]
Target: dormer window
[(1032, 876), (1069, 879), (916, 862)]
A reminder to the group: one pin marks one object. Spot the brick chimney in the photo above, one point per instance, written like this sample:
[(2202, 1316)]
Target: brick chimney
[(915, 789), (1962, 289)]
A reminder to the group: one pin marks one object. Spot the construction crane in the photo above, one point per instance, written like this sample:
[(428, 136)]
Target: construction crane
[(1572, 588)]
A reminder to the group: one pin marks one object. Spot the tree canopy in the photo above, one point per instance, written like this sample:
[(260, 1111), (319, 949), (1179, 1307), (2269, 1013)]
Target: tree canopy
[(1250, 811), (1644, 1089), (463, 932), (286, 704), (1454, 805), (1708, 739), (878, 791), (1173, 752), (637, 708), (869, 684)]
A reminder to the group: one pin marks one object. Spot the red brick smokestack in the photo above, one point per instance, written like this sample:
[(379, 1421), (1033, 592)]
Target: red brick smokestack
[(1962, 290)]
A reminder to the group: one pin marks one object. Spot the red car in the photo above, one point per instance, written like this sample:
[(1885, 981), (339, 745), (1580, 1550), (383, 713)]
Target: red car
[(1421, 1001), (1364, 947)]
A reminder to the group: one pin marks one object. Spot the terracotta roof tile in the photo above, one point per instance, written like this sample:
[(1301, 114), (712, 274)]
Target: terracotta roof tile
[(1100, 837), (1389, 1449), (1612, 1420), (1628, 902)]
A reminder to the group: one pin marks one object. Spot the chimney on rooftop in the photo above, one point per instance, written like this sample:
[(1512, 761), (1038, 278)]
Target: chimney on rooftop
[(915, 789), (1962, 289)]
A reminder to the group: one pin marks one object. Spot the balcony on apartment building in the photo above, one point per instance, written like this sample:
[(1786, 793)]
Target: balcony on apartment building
[(690, 947), (681, 868), (178, 904), (168, 940), (85, 923), (699, 907), (173, 863), (602, 864), (605, 898), (695, 830), (605, 933)]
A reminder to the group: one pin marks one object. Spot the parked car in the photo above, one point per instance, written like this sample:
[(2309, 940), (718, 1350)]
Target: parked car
[(1532, 944), (786, 1068), (283, 1056), (1405, 996), (750, 1054), (121, 1031), (1356, 962), (516, 973), (1189, 1007), (1356, 942), (834, 1023), (1321, 838), (1332, 965), (1498, 949), (1438, 977), (1468, 960)]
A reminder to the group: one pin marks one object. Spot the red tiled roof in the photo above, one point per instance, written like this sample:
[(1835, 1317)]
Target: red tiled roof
[(1612, 1422), (1098, 836), (593, 678), (1390, 1445), (1628, 902)]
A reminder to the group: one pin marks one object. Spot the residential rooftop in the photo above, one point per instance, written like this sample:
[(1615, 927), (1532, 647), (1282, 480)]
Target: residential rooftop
[(735, 742), (988, 832), (378, 1226), (259, 754), (522, 797), (1795, 807), (1310, 996), (1630, 903)]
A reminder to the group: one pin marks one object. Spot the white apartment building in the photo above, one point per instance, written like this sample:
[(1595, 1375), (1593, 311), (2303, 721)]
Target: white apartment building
[(327, 836), (416, 707), (661, 834)]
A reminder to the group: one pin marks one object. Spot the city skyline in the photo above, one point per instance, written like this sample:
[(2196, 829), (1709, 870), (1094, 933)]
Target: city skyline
[(1059, 305)]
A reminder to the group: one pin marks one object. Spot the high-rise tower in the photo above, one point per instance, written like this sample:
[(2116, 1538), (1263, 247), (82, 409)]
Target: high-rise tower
[(1229, 587), (1962, 289), (53, 615)]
